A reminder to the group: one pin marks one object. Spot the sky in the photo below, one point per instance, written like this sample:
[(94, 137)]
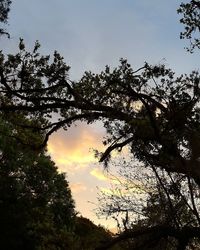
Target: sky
[(90, 34)]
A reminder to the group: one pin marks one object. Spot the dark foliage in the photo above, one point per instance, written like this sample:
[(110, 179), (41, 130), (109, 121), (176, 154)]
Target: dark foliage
[(191, 21), (163, 131), (36, 207), (145, 199), (151, 111), (4, 10)]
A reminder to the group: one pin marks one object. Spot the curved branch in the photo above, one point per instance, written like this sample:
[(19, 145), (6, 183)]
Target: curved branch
[(184, 234), (114, 146)]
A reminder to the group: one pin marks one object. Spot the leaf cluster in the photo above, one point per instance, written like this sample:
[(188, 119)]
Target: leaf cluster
[(4, 10), (191, 21)]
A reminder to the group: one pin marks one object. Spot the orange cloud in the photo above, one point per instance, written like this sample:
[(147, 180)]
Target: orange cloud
[(77, 187), (99, 174), (106, 176), (71, 150)]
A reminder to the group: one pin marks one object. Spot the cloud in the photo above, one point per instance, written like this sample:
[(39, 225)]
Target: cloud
[(72, 149), (107, 176), (120, 188), (99, 174), (77, 187)]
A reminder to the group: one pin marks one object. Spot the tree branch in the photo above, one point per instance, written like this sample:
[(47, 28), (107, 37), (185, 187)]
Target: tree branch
[(114, 146), (184, 234)]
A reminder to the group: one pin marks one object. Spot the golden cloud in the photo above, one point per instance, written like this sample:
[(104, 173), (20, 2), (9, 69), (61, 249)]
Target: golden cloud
[(123, 190), (72, 149), (77, 187), (106, 176), (99, 174)]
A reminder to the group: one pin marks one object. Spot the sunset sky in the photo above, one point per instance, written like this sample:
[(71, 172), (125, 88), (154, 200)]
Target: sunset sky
[(91, 34)]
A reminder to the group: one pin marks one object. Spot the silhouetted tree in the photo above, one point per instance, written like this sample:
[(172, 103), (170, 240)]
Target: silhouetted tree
[(144, 199), (36, 206), (89, 235), (150, 110), (4, 10), (163, 131), (191, 21)]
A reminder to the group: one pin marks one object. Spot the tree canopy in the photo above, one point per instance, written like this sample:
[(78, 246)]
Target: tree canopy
[(151, 111), (36, 206), (37, 210), (190, 20), (4, 10), (146, 203)]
